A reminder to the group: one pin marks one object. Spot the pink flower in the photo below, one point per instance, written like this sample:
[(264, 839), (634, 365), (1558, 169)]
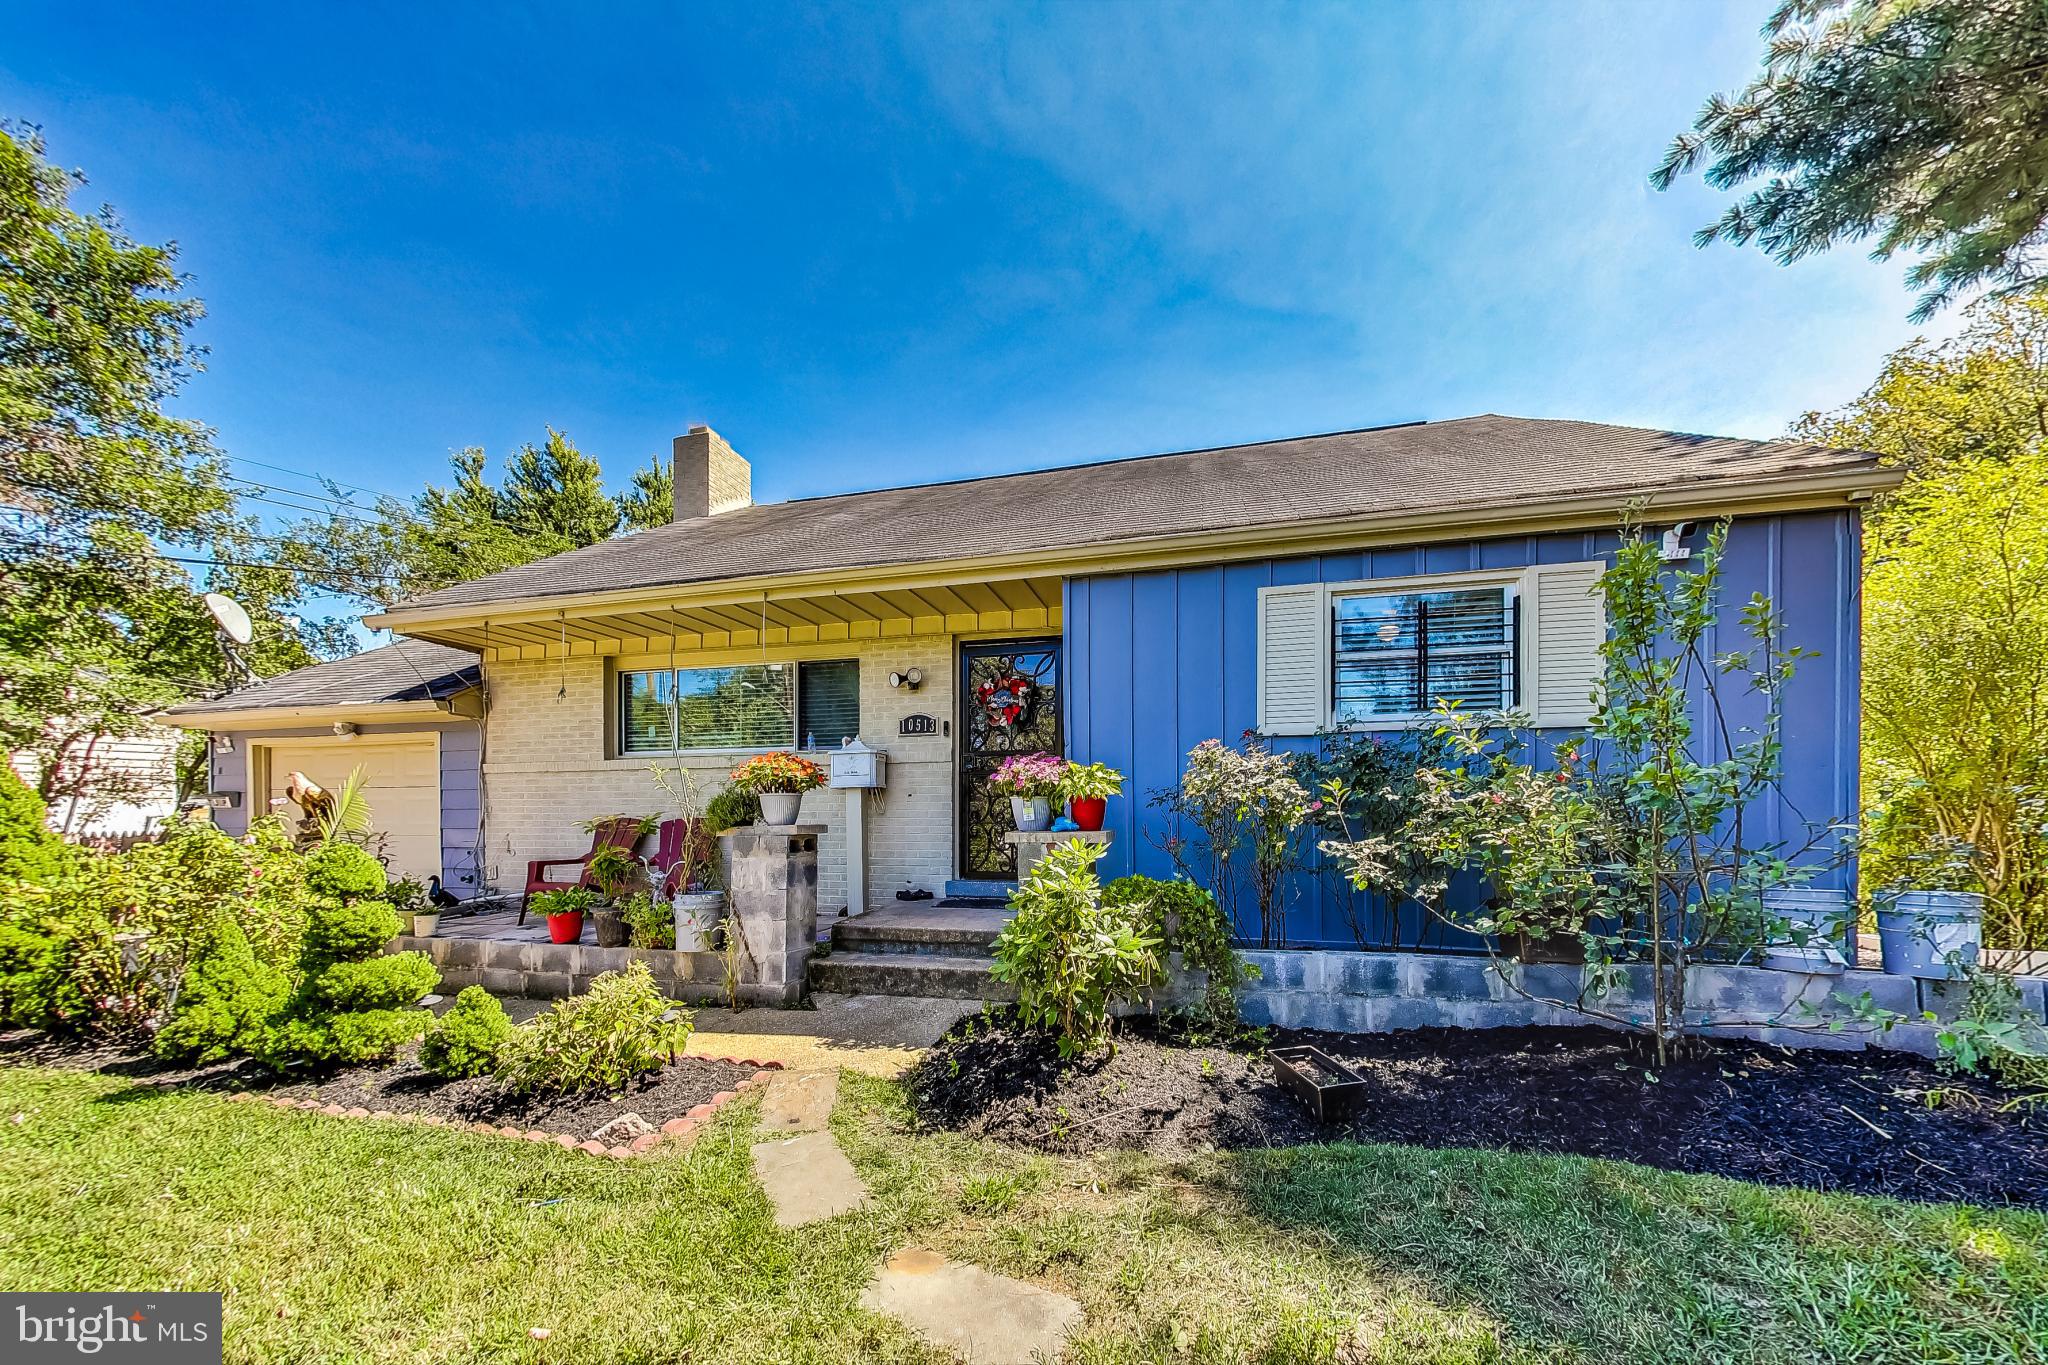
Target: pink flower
[(1315, 806), (1497, 798)]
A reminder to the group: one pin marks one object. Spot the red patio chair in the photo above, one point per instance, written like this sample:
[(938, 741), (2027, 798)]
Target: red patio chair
[(673, 837), (622, 832)]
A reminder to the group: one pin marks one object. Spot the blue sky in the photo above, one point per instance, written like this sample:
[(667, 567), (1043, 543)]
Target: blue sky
[(876, 245)]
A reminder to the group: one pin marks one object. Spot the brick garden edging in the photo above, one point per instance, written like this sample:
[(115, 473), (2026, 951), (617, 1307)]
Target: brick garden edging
[(681, 1130)]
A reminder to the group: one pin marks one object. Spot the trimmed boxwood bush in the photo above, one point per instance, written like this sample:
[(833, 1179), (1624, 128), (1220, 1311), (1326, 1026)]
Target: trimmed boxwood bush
[(346, 932), (351, 1005), (345, 872), (227, 1002), (29, 851), (468, 1039), (377, 983)]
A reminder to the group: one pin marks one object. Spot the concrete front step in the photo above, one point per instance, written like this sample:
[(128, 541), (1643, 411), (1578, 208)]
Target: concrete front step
[(969, 935), (949, 977)]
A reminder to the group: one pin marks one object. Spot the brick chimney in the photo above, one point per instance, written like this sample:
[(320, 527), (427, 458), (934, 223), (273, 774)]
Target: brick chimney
[(711, 477)]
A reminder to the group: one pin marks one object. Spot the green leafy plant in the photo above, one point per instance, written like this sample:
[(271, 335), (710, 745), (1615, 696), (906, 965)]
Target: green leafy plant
[(613, 869), (346, 816), (1089, 781), (468, 1039), (1994, 1032), (1184, 918), (730, 809), (620, 1028), (407, 896), (1068, 954), (651, 922), (226, 1004), (574, 900), (351, 1004)]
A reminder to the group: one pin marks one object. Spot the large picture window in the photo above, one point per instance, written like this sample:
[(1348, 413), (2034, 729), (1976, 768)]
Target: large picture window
[(742, 706), (1400, 654)]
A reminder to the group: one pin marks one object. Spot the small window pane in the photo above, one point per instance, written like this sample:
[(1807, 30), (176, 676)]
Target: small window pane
[(1401, 654), (828, 702), (645, 711), (745, 707)]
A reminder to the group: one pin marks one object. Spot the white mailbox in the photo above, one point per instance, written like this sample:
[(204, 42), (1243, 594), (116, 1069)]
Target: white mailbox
[(854, 764)]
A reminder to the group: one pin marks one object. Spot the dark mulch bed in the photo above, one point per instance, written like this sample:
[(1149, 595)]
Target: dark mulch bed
[(402, 1087), (1808, 1118)]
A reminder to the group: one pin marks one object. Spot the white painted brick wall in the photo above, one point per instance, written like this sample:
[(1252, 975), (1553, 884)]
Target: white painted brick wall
[(545, 769)]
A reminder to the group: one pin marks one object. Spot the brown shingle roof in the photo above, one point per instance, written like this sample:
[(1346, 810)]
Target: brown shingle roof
[(1438, 465), (408, 670)]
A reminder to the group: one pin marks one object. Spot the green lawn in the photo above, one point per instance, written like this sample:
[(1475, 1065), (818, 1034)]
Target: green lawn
[(358, 1242)]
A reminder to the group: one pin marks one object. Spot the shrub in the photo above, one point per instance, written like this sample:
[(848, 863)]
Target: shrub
[(731, 808), (29, 852), (1068, 954), (346, 932), (1186, 919), (32, 979), (348, 1039), (226, 1004), (468, 1039), (622, 1026), (651, 921), (377, 983), (344, 872)]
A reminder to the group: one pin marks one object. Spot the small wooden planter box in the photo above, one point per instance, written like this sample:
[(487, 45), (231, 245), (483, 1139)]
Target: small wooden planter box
[(1328, 1087)]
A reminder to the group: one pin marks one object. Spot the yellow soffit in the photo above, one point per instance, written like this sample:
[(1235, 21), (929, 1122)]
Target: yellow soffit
[(1807, 492)]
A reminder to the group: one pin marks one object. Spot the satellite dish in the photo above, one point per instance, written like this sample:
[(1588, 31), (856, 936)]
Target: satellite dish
[(229, 616)]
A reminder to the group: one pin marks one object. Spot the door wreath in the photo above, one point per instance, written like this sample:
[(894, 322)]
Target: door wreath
[(1005, 700)]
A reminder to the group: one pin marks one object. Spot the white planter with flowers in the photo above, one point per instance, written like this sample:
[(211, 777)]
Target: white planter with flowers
[(778, 780)]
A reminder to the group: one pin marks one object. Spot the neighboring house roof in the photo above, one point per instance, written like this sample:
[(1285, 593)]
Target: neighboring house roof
[(1468, 462), (408, 674)]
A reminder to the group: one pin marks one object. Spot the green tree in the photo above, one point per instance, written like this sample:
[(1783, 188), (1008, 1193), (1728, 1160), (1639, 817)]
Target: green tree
[(550, 499), (1955, 601), (650, 500), (101, 492), (1920, 123)]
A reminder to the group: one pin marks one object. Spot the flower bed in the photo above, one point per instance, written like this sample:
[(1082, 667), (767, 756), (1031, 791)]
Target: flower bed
[(1854, 1122)]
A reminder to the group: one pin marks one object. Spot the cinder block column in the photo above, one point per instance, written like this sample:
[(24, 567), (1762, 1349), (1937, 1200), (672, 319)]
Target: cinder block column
[(1035, 844), (772, 884)]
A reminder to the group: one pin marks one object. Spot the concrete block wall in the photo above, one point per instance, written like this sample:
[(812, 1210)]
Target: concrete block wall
[(1352, 992), (546, 766)]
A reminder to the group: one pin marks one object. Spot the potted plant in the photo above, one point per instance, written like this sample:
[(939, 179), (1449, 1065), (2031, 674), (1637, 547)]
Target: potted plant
[(416, 915), (779, 780), (695, 918), (613, 869), (1030, 781), (563, 911), (1086, 788), (1804, 925), (649, 920)]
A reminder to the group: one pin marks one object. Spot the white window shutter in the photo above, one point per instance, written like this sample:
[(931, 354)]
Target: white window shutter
[(1570, 619), (1294, 660)]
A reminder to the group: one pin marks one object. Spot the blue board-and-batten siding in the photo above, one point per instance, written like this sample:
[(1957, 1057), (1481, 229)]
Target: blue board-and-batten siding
[(1158, 662)]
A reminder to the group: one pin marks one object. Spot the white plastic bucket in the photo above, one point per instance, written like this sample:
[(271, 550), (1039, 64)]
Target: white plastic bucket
[(1824, 915)]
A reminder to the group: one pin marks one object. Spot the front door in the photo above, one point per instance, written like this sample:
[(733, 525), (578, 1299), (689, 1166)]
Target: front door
[(1009, 704)]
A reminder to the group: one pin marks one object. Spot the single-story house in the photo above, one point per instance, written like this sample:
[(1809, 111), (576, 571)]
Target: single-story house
[(408, 714), (1119, 612)]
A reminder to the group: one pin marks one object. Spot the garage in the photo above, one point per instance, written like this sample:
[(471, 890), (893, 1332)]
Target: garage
[(402, 783), (408, 714)]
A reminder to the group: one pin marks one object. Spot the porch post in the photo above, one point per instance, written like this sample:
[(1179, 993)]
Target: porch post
[(773, 875)]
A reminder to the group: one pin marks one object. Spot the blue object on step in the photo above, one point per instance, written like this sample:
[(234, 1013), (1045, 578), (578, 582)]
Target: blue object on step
[(1063, 824)]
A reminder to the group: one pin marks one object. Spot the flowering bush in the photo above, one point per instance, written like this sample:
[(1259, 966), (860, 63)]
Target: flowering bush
[(1243, 802), (777, 772), (1030, 776)]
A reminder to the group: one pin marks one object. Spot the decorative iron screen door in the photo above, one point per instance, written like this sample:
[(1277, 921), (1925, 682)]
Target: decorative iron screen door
[(1009, 704)]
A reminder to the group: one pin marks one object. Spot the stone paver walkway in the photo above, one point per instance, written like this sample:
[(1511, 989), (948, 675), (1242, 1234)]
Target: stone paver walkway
[(989, 1319), (798, 1101), (807, 1179)]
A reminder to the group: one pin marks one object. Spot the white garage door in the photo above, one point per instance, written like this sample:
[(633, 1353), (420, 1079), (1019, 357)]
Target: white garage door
[(403, 785)]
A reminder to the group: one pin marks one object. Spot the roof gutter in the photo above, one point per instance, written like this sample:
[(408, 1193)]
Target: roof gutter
[(1702, 501), (259, 717)]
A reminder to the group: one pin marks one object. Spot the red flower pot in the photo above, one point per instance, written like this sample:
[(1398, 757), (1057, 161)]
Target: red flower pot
[(1089, 810), (566, 928)]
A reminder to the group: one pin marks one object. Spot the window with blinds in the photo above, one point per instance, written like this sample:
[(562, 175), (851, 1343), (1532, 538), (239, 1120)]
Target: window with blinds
[(744, 706), (828, 703), (1407, 653)]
